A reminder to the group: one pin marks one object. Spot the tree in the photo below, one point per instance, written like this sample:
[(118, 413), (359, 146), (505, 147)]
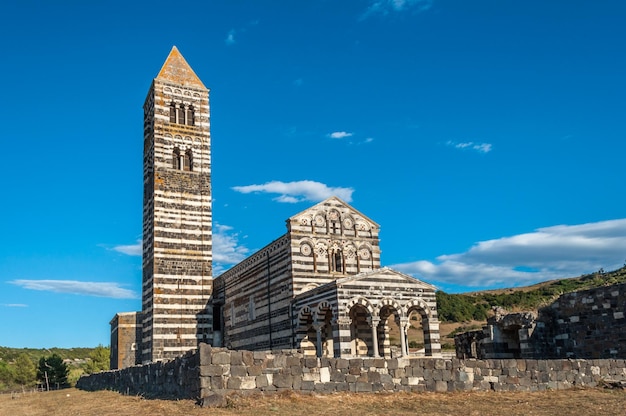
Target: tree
[(54, 369), (99, 360), (25, 370), (6, 375)]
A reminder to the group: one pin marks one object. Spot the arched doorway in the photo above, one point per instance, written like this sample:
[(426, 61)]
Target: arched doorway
[(305, 334), (360, 332)]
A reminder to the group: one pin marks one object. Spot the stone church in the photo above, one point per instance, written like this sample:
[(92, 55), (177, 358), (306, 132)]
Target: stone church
[(318, 288)]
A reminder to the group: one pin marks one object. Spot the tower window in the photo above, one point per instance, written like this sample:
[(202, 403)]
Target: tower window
[(337, 261), (176, 159), (190, 116), (172, 112), (180, 114), (188, 161)]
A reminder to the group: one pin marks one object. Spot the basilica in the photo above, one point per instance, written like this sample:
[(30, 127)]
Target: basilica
[(318, 288)]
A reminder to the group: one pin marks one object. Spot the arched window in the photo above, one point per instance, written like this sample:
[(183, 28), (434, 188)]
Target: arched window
[(190, 116), (337, 261), (172, 112), (180, 114), (176, 158), (188, 161)]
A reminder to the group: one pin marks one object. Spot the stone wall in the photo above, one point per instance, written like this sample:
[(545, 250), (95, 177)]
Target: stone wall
[(589, 324), (211, 371)]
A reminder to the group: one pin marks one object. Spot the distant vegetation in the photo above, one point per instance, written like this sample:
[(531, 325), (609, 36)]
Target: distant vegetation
[(27, 367), (22, 367), (476, 306)]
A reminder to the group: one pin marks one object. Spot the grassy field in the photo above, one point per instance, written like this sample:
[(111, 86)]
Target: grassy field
[(72, 402)]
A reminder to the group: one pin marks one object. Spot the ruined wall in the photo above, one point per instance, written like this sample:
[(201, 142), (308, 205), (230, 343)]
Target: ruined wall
[(125, 339), (211, 371), (587, 324)]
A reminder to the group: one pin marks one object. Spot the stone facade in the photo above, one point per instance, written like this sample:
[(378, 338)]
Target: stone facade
[(588, 324), (218, 371), (177, 248), (126, 329), (319, 287)]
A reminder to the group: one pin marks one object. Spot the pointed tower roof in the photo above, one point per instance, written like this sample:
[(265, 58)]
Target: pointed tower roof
[(177, 70)]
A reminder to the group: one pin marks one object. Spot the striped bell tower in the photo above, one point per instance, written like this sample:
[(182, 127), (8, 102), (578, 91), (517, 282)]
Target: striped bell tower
[(177, 246)]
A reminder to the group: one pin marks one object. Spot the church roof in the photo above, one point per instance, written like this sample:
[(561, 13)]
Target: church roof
[(384, 272), (333, 202), (177, 70)]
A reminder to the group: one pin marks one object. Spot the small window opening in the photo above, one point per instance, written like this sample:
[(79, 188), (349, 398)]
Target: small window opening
[(190, 116), (176, 159)]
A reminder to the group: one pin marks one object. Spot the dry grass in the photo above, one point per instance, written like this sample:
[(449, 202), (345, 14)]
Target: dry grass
[(73, 402)]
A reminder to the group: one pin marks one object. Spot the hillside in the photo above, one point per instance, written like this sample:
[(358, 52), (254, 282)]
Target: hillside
[(477, 305)]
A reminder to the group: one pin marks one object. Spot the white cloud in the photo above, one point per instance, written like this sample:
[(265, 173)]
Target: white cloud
[(14, 305), (298, 191), (226, 247), (385, 7), (131, 249), (230, 38), (547, 253), (340, 134), (479, 147), (75, 287)]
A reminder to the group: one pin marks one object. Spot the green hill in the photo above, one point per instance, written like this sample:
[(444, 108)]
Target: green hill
[(476, 305)]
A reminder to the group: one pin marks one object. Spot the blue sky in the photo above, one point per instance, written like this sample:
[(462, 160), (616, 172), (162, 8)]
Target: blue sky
[(487, 139)]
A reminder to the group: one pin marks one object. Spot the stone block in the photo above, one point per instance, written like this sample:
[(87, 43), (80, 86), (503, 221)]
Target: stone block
[(213, 370), (238, 370), (337, 376), (264, 380), (441, 386), (392, 364), (310, 362), (204, 352), (378, 362), (363, 387), (373, 377), (283, 381), (341, 363), (213, 400), (254, 370), (308, 385), (236, 358), (295, 370), (247, 358), (221, 357), (293, 361), (324, 374), (242, 383)]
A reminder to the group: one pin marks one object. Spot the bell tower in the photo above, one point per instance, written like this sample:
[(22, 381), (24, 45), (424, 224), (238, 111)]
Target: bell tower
[(177, 232)]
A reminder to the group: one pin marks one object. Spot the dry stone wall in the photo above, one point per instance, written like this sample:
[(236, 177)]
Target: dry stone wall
[(218, 371)]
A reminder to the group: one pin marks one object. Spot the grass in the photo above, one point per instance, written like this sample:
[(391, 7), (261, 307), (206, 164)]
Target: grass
[(72, 402)]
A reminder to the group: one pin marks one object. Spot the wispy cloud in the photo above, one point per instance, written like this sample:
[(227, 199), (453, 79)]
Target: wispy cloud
[(387, 7), (230, 37), (547, 253), (75, 287), (226, 247), (340, 134), (479, 147), (131, 249), (14, 305), (298, 191)]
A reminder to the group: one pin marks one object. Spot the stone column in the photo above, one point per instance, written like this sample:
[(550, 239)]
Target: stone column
[(344, 337), (403, 325), (432, 343), (318, 344), (374, 321)]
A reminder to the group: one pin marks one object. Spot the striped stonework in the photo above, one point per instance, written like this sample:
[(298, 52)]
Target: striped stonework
[(177, 244)]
